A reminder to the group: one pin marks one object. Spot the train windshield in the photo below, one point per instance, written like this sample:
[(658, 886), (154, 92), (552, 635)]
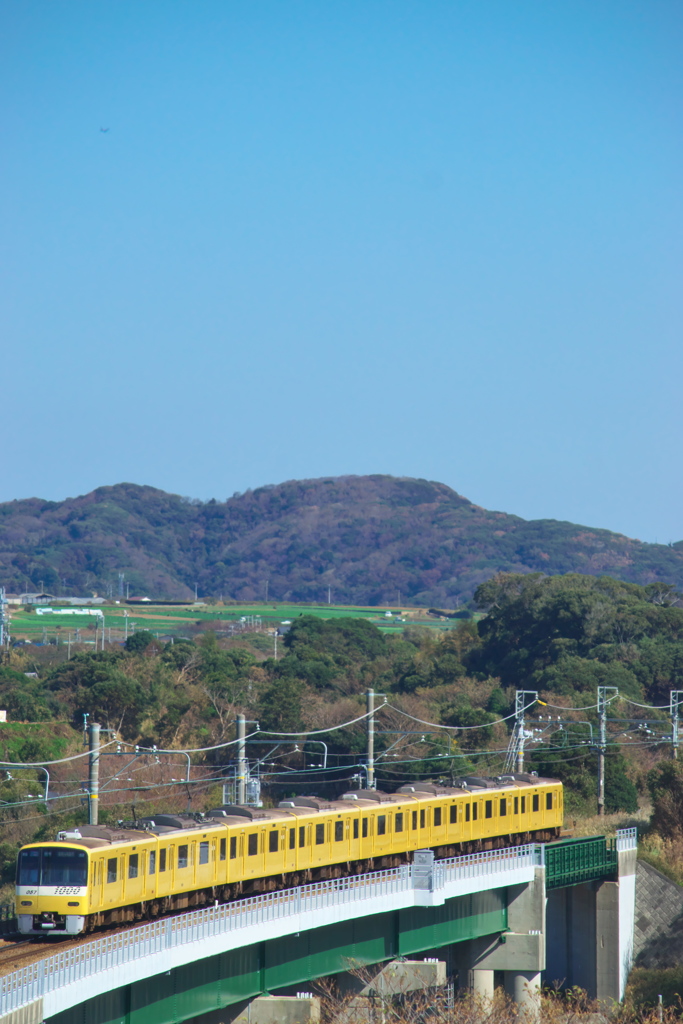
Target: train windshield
[(50, 866)]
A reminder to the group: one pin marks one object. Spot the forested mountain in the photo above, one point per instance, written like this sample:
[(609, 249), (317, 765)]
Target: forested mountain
[(368, 538)]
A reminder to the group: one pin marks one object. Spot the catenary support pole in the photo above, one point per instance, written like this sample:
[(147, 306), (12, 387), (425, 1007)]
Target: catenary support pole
[(241, 760), (371, 738), (602, 741), (94, 768), (676, 699)]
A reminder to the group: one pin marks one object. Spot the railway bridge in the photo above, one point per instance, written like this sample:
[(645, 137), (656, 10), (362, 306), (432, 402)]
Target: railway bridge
[(562, 911)]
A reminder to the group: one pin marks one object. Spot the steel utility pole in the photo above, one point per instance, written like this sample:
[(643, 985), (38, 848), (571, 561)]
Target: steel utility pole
[(371, 735), (4, 635), (676, 701), (602, 741), (94, 767), (241, 760), (371, 738), (515, 754)]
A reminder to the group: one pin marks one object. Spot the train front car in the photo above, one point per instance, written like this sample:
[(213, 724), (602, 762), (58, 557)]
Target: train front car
[(52, 889)]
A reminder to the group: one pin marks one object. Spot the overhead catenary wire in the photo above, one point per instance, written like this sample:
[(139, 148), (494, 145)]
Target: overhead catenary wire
[(456, 728), (41, 764), (648, 707), (257, 732)]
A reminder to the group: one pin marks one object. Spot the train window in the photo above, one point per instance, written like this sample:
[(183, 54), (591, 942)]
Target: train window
[(549, 801), (534, 802), (398, 822), (152, 862), (292, 839), (133, 865), (302, 835), (516, 807), (338, 831), (182, 856), (252, 844), (59, 867), (162, 860), (423, 818), (355, 828), (503, 806), (488, 811), (381, 824), (523, 805), (233, 847), (437, 816), (203, 853), (319, 835), (111, 869), (454, 814), (414, 819), (475, 811), (273, 841), (28, 867), (365, 828), (223, 849), (467, 812)]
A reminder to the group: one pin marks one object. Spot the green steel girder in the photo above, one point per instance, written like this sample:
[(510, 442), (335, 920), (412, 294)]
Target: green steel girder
[(232, 977), (572, 861)]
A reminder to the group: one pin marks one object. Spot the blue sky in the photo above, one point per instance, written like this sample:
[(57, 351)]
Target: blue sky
[(435, 239)]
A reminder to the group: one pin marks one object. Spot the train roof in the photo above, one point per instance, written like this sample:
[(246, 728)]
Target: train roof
[(94, 836)]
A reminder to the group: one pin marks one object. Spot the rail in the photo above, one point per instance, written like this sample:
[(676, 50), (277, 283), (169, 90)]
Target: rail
[(73, 965)]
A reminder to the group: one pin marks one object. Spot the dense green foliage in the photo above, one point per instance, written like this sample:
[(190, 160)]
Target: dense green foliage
[(571, 633), (561, 636), (665, 782), (368, 538)]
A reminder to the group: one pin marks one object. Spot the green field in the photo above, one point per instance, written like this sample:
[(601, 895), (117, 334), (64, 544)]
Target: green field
[(179, 621)]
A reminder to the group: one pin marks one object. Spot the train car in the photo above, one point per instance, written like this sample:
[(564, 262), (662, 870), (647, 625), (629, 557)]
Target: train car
[(100, 874)]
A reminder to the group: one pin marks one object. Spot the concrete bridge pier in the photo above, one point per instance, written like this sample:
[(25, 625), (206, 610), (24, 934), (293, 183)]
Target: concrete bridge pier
[(518, 952), (524, 987), (480, 983), (590, 933)]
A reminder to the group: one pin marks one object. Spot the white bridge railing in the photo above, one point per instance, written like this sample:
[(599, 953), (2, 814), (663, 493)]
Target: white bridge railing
[(89, 958), (627, 839)]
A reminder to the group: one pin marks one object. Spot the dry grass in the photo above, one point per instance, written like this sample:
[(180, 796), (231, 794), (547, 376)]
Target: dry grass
[(664, 854), (435, 1006), (607, 825)]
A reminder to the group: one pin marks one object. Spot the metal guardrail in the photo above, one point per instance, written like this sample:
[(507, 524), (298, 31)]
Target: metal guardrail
[(38, 979)]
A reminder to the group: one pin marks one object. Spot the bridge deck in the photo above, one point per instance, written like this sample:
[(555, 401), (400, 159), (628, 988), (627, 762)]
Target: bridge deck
[(415, 909)]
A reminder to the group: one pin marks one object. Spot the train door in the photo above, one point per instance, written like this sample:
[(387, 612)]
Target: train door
[(134, 874), (171, 869), (97, 883)]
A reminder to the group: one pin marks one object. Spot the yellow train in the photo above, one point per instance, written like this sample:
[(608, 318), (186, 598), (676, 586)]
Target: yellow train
[(102, 874)]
